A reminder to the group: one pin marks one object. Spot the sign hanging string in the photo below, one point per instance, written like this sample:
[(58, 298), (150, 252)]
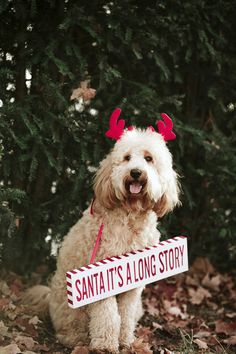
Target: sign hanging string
[(98, 238)]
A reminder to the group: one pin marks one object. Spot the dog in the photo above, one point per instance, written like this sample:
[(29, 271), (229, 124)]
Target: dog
[(134, 186)]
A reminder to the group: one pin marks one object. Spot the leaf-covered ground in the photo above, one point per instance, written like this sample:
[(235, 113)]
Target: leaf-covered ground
[(194, 312)]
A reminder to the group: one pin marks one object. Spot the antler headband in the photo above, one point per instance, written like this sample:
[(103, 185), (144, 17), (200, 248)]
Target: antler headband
[(117, 127)]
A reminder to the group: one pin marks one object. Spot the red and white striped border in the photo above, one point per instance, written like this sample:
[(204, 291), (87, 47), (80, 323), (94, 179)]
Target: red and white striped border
[(109, 260)]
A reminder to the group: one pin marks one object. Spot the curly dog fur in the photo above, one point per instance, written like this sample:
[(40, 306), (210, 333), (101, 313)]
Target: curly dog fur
[(134, 185)]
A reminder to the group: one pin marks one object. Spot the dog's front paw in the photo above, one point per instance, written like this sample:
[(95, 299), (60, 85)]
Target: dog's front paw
[(102, 344)]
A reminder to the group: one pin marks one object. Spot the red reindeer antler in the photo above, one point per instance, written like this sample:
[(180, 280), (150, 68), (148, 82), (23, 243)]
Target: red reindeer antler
[(165, 128), (116, 128)]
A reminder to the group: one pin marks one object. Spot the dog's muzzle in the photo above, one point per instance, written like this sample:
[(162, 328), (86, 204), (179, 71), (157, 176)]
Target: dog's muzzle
[(135, 182)]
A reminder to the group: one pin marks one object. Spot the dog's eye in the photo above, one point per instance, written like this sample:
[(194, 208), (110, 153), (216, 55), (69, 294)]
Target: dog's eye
[(127, 157), (148, 158)]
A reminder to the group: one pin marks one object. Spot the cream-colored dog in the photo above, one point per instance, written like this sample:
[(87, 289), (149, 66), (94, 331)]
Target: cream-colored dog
[(134, 185)]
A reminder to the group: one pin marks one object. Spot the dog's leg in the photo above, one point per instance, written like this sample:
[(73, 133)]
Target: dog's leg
[(72, 330), (104, 325), (130, 309), (71, 325)]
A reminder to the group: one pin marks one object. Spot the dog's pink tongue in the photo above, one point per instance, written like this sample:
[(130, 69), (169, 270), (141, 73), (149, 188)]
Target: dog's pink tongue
[(135, 188)]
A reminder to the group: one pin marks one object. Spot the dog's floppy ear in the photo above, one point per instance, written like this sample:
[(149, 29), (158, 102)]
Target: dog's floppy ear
[(170, 198), (103, 189)]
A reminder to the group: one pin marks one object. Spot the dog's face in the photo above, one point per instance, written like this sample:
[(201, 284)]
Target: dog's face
[(138, 174)]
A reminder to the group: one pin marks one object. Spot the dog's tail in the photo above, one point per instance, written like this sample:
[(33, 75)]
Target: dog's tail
[(37, 299)]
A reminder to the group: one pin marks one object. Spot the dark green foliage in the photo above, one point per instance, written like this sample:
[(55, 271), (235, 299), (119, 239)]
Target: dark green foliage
[(145, 57)]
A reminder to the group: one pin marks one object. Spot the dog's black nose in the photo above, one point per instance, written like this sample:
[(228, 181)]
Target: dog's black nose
[(135, 173)]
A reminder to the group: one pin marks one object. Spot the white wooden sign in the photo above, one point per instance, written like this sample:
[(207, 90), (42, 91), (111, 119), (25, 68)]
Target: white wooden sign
[(115, 275)]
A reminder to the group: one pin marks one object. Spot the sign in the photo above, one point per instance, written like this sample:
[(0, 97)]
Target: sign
[(115, 275)]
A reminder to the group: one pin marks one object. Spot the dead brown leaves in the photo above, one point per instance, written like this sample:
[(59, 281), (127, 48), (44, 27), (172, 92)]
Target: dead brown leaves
[(200, 343), (10, 349), (84, 92), (197, 296), (80, 350), (139, 347), (20, 331), (200, 303), (227, 328)]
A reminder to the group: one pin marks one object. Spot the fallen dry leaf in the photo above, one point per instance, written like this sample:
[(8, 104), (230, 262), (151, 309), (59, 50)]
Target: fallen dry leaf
[(197, 296), (200, 344), (88, 94), (204, 325), (167, 351), (152, 307), (94, 351), (138, 347), (3, 329), (83, 91), (10, 349), (176, 311), (220, 310), (80, 350), (24, 325), (26, 342), (157, 325), (11, 311), (4, 288), (178, 324), (230, 314), (228, 328), (3, 303), (231, 340), (145, 333), (202, 265), (76, 93), (41, 348), (202, 334), (191, 281), (34, 321), (212, 283), (16, 287), (213, 306)]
